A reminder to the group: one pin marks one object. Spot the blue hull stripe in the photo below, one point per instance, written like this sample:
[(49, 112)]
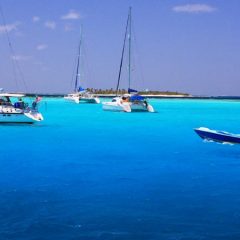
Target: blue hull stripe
[(218, 137)]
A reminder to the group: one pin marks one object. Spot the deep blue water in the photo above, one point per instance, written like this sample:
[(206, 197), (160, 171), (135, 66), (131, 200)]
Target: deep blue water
[(88, 174)]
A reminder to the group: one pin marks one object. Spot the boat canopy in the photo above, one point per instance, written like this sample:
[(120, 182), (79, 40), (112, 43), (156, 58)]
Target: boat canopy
[(137, 98), (132, 90), (12, 95)]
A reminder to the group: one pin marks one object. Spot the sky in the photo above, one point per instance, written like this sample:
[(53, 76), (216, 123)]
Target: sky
[(178, 45)]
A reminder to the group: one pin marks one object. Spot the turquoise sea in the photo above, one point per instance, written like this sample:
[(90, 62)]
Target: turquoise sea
[(88, 174)]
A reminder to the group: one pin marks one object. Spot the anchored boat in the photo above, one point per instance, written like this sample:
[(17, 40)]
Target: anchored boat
[(128, 103), (217, 136), (80, 94), (132, 101), (19, 111)]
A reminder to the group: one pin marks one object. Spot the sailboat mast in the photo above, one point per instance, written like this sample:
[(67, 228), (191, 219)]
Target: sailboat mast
[(129, 47), (123, 50), (78, 62)]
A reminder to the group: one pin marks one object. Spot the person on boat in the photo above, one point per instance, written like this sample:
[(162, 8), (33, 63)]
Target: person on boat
[(19, 104), (5, 101), (1, 101), (125, 99), (146, 103), (34, 104)]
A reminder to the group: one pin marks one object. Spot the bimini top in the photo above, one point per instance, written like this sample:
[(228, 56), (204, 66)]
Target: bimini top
[(132, 90), (12, 95)]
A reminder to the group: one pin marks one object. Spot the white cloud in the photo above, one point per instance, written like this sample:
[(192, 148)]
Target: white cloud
[(41, 47), (36, 19), (9, 27), (194, 8), (50, 25), (71, 15), (21, 57)]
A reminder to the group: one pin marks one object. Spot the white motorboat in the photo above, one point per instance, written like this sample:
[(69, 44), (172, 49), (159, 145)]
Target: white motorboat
[(12, 111), (18, 112), (132, 101), (80, 94)]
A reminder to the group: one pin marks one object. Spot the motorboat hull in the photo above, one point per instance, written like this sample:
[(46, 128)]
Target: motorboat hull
[(217, 136), (34, 115), (24, 118)]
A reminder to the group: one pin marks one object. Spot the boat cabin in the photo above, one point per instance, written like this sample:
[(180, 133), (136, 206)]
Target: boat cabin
[(5, 100)]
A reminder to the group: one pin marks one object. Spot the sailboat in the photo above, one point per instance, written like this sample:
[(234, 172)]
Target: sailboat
[(80, 94), (13, 108), (18, 111), (131, 101)]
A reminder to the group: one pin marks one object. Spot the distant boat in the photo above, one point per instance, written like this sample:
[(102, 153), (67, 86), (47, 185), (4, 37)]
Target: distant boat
[(80, 94), (131, 101), (18, 112), (217, 136)]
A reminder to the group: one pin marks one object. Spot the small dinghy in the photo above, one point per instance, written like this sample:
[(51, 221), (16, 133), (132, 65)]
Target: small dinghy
[(217, 136)]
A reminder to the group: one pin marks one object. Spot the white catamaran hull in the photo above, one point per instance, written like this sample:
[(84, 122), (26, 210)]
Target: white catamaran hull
[(72, 99), (90, 100), (78, 98), (127, 107)]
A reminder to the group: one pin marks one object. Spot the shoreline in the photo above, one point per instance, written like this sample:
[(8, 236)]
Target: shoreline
[(158, 96)]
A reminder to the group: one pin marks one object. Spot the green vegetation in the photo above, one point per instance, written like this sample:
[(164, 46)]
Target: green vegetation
[(123, 91)]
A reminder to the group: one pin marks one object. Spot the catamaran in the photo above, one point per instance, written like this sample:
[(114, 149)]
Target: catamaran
[(19, 111), (131, 101), (80, 94)]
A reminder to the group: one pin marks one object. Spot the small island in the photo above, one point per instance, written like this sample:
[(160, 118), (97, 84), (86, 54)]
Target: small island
[(112, 92)]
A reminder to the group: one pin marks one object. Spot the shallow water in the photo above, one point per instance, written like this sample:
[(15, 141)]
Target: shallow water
[(88, 174)]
